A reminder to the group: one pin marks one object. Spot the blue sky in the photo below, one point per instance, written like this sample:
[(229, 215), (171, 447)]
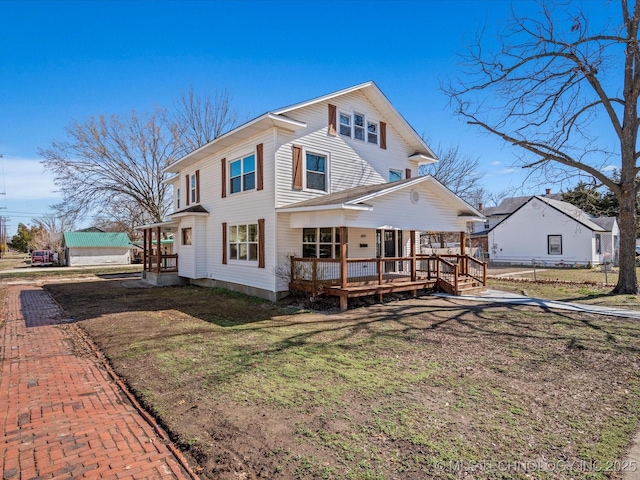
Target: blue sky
[(66, 61)]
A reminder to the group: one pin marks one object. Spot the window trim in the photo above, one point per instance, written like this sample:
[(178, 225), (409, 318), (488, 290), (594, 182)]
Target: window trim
[(326, 173), (340, 124), (242, 175), (363, 126), (549, 237), (243, 261), (399, 172)]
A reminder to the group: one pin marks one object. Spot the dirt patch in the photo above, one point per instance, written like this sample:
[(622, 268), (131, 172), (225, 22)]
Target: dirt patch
[(251, 389)]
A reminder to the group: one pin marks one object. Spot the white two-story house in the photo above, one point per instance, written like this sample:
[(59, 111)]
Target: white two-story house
[(331, 178)]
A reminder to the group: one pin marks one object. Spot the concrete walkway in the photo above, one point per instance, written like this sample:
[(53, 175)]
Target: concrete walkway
[(496, 296), (62, 414), (631, 463)]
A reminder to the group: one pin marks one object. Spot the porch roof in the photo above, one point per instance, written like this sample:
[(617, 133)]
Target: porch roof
[(166, 226), (355, 198)]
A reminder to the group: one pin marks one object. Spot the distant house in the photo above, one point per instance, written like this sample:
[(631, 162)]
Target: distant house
[(96, 248), (547, 230)]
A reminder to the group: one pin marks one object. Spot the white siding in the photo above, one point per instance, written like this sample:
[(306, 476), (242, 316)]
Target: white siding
[(186, 253), (351, 162), (98, 256), (523, 237)]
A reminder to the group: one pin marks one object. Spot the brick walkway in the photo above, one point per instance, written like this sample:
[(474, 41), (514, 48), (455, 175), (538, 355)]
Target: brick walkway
[(62, 415)]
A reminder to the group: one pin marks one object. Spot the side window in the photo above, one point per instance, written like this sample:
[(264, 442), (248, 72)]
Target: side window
[(178, 199), (321, 242), (316, 169), (554, 244), (243, 242), (193, 188)]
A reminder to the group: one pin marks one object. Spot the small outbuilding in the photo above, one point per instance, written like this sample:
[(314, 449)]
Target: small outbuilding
[(96, 248)]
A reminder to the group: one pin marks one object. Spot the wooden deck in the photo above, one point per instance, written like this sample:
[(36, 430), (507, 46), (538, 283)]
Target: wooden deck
[(455, 274)]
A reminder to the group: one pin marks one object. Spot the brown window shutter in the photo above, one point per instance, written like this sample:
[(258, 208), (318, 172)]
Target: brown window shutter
[(197, 186), (261, 243), (383, 135), (297, 167), (224, 243), (223, 164), (188, 195), (407, 173), (332, 120), (259, 167)]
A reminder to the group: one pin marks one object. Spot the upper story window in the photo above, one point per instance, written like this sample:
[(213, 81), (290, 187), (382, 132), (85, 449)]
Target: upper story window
[(193, 187), (316, 167), (177, 199), (345, 125), (243, 174), (395, 175), (372, 132), (358, 127)]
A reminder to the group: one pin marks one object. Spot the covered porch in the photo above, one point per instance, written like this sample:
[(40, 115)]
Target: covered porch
[(159, 263), (356, 277)]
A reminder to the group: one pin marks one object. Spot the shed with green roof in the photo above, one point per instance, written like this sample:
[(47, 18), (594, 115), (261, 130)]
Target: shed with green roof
[(96, 248)]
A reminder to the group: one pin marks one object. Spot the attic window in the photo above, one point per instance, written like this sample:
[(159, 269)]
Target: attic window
[(345, 125), (358, 124), (372, 132)]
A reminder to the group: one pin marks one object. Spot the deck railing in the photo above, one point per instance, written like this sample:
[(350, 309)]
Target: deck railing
[(315, 274), (166, 263)]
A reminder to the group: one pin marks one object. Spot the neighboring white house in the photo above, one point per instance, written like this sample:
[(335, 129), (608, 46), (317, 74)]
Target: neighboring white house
[(96, 248), (554, 233), (288, 182)]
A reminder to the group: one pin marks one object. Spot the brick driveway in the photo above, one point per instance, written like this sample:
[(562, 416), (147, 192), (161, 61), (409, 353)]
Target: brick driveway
[(62, 414)]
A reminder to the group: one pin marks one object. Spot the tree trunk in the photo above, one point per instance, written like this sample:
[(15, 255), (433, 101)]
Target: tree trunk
[(627, 280)]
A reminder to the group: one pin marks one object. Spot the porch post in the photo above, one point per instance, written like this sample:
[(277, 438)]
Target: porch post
[(150, 249), (343, 257), (412, 235), (158, 248), (144, 250), (463, 252)]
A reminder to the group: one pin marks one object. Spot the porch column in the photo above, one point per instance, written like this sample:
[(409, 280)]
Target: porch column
[(463, 253), (158, 247), (343, 257), (150, 248), (144, 250), (412, 235)]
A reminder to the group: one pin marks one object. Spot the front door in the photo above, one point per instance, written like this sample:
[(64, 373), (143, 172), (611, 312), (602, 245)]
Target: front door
[(389, 246)]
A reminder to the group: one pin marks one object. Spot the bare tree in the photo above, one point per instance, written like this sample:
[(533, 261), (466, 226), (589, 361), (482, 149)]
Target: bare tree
[(200, 120), (112, 167), (556, 83), (49, 231), (459, 173)]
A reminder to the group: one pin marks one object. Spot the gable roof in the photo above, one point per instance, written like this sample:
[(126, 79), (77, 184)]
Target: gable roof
[(355, 198), (96, 239), (607, 223), (279, 118), (565, 208), (511, 204)]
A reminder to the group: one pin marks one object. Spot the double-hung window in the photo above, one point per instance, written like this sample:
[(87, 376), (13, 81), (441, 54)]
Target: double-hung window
[(358, 126), (321, 242), (345, 124), (554, 244), (177, 199), (243, 174), (316, 168), (243, 242), (372, 132), (193, 188)]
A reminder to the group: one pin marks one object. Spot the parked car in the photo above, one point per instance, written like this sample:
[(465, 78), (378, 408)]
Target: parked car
[(41, 258)]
